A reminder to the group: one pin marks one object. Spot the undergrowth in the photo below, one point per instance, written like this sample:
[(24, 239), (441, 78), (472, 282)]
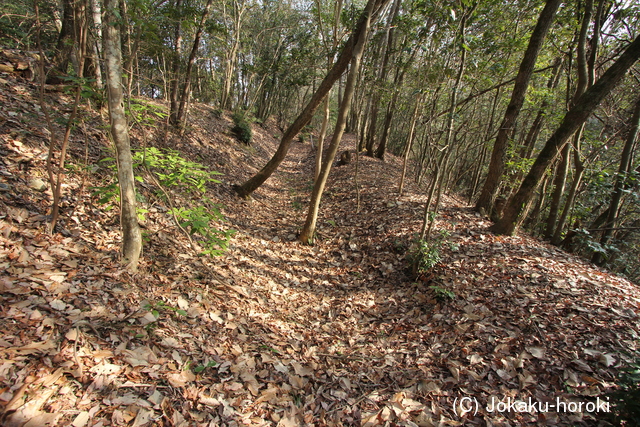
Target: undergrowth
[(168, 169), (242, 128), (626, 400)]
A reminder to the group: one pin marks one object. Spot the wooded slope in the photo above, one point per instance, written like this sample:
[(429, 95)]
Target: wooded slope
[(274, 332)]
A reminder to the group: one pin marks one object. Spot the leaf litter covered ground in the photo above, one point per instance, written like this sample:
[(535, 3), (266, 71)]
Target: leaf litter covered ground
[(275, 332)]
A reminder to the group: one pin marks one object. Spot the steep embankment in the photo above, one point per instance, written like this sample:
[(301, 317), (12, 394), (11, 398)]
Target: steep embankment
[(275, 332)]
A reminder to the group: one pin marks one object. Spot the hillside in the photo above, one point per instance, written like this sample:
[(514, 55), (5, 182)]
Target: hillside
[(274, 332)]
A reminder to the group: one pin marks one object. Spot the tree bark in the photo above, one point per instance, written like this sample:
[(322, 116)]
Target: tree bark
[(623, 170), (305, 116), (559, 183), (66, 37), (382, 146), (308, 231), (583, 83), (323, 134), (175, 73), (572, 121), (385, 47), (232, 56), (498, 155), (407, 147), (131, 236), (325, 118), (573, 191), (180, 116)]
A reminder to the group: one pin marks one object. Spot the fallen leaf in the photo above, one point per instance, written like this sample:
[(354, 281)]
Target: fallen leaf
[(180, 379)]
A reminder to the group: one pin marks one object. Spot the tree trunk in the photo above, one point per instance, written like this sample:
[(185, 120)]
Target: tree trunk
[(438, 181), (623, 170), (498, 156), (308, 231), (131, 236), (175, 72), (536, 127), (305, 116), (325, 118), (382, 147), (232, 56), (96, 47), (180, 116), (562, 169), (555, 232), (573, 192), (66, 38), (323, 133), (386, 48), (572, 121), (407, 147)]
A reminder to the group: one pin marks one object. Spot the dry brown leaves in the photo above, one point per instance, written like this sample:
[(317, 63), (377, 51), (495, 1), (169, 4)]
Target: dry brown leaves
[(278, 333)]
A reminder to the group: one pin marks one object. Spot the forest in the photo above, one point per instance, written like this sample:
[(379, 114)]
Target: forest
[(312, 212)]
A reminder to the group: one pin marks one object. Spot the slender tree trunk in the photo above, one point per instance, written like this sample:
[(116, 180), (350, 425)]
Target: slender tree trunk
[(556, 239), (79, 52), (555, 230), (536, 126), (562, 169), (232, 56), (534, 218), (309, 229), (175, 72), (433, 185), (186, 87), (323, 133), (386, 48), (625, 166), (305, 116), (498, 155), (96, 47), (325, 119), (382, 147), (66, 37), (397, 84), (438, 181), (407, 147), (131, 236), (572, 121)]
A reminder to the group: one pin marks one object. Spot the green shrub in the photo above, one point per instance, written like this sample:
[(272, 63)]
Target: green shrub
[(242, 128), (172, 170), (424, 255), (442, 293), (625, 401), (198, 221)]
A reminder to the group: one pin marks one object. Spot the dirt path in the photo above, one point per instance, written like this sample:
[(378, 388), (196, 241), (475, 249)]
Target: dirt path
[(382, 344), (279, 333)]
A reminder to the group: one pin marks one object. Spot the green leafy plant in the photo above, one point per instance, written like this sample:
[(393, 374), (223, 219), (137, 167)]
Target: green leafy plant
[(173, 170), (626, 400), (198, 221), (242, 128), (298, 399), (170, 169), (268, 348), (200, 368), (156, 308), (145, 113), (442, 293), (160, 306), (424, 255)]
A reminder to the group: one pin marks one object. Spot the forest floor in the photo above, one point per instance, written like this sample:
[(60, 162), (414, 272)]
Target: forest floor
[(274, 332)]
